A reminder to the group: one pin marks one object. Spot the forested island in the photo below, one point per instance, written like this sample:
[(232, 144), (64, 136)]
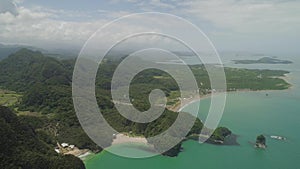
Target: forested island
[(260, 142), (264, 60), (41, 87)]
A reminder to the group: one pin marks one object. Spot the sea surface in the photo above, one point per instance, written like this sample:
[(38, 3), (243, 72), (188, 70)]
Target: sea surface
[(247, 114)]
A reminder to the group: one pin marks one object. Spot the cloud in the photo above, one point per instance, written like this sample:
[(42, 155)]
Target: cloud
[(8, 6), (252, 16), (44, 28), (243, 22), (251, 25), (48, 28), (160, 4)]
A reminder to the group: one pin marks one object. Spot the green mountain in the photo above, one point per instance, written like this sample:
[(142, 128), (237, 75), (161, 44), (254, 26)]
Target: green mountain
[(45, 84), (8, 49), (21, 147), (26, 68)]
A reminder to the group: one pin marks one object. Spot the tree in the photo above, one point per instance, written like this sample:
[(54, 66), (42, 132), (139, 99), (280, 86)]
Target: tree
[(261, 139)]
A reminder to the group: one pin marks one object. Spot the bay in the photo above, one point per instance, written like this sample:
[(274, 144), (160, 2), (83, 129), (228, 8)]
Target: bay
[(247, 114)]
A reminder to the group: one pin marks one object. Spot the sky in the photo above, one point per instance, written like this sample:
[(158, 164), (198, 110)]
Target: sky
[(260, 26)]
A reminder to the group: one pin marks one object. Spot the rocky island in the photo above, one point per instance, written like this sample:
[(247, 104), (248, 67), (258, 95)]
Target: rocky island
[(261, 142)]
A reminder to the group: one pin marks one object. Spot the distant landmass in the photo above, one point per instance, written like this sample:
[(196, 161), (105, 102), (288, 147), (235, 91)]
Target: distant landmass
[(8, 49), (264, 60)]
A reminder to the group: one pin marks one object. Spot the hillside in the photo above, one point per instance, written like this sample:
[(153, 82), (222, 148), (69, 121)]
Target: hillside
[(21, 147), (44, 84), (46, 87), (26, 68)]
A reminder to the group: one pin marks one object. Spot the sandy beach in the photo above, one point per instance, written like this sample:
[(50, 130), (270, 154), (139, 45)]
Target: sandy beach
[(183, 103), (122, 138), (77, 152)]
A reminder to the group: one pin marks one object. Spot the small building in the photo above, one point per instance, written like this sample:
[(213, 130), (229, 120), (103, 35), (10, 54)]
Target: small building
[(259, 76), (64, 145), (71, 146), (114, 136), (57, 150)]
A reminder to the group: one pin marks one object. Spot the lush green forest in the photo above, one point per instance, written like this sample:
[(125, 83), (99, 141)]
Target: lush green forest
[(45, 86), (21, 146)]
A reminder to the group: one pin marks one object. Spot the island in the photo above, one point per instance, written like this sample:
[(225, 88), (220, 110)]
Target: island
[(261, 142), (264, 60)]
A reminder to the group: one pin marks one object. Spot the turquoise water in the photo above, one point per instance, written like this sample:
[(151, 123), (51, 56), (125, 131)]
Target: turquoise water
[(247, 114)]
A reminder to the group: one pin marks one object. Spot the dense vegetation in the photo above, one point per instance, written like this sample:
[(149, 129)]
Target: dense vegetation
[(21, 147), (221, 133), (45, 84), (261, 139)]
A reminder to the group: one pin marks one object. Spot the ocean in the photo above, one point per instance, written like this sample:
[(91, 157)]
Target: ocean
[(247, 114)]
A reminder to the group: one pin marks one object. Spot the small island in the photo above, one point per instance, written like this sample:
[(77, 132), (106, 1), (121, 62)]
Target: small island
[(261, 142), (264, 60)]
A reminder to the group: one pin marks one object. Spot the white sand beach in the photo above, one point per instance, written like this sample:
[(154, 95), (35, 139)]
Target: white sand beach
[(122, 138)]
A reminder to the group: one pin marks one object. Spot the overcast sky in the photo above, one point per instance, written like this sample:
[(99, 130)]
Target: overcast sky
[(267, 26)]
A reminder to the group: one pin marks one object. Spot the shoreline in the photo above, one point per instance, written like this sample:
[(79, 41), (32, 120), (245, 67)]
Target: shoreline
[(123, 138), (195, 98), (186, 102)]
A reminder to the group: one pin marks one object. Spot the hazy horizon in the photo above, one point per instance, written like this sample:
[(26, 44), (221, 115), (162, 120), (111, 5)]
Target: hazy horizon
[(250, 25)]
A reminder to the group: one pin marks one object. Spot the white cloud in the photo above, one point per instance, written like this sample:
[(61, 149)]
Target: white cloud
[(8, 6), (228, 19), (44, 28), (37, 27), (160, 4), (250, 16)]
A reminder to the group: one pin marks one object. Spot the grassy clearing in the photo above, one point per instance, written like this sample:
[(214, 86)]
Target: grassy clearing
[(28, 113), (11, 98), (173, 98), (8, 98)]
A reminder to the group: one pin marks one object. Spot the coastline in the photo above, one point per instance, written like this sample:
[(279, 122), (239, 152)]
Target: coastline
[(230, 143), (178, 106), (123, 138)]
